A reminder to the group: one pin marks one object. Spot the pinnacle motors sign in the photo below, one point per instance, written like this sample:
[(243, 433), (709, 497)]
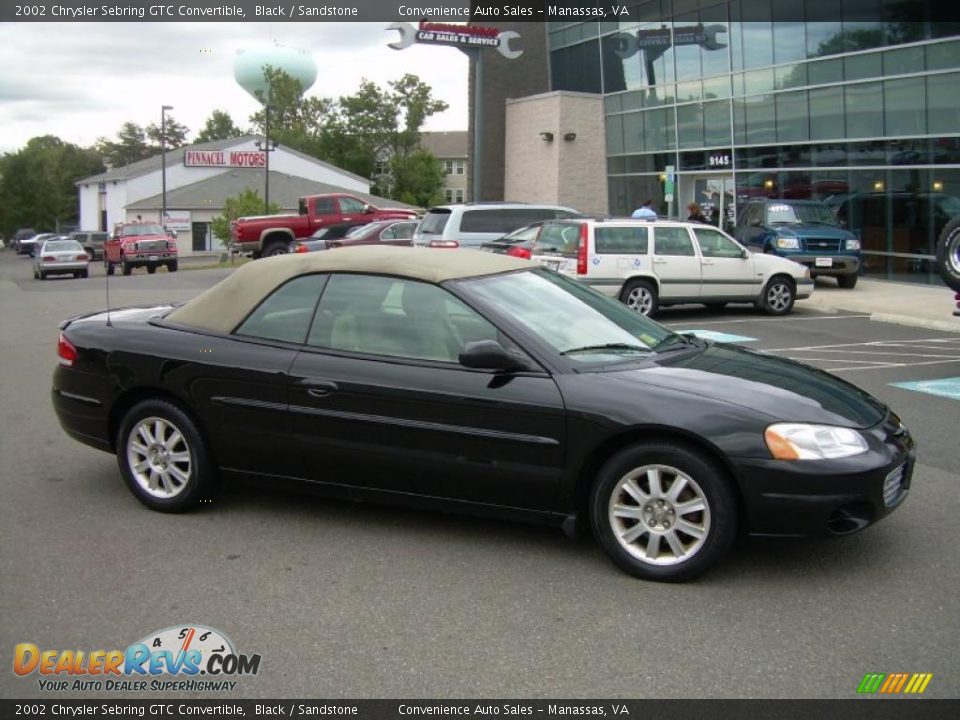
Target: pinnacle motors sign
[(225, 158)]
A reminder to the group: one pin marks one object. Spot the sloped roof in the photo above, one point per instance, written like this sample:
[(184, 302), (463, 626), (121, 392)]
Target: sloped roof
[(453, 144), (174, 157), (210, 194)]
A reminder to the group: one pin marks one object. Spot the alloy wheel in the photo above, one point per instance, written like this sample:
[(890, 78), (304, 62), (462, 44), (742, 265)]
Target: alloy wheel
[(778, 296), (640, 299), (159, 457)]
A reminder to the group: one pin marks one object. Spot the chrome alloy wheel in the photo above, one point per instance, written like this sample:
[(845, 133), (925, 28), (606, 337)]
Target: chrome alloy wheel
[(659, 514), (778, 296), (159, 457), (640, 299)]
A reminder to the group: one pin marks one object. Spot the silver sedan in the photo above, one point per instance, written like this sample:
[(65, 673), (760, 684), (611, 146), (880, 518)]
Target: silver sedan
[(61, 256)]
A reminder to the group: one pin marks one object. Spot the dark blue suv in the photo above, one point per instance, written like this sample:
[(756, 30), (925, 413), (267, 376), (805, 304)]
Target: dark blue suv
[(804, 231)]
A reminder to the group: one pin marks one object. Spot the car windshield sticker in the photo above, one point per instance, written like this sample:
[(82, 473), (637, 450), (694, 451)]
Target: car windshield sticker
[(944, 387), (779, 208)]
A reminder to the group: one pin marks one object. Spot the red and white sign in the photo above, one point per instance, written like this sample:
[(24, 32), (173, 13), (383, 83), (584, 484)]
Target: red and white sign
[(225, 158)]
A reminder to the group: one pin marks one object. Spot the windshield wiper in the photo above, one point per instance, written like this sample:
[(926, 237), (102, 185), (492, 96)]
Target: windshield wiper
[(608, 346), (681, 341)]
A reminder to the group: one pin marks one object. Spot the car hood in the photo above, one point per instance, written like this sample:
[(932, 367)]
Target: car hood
[(141, 238), (784, 390), (831, 232)]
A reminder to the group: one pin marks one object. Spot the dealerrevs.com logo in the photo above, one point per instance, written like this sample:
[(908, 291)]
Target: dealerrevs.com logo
[(198, 658)]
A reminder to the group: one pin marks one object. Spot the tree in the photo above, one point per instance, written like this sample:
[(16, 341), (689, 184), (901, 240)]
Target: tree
[(219, 126), (38, 183), (245, 204), (129, 147), (418, 178), (176, 134)]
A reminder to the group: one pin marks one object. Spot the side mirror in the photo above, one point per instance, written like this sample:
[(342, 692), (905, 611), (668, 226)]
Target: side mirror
[(367, 209), (491, 355), (744, 254)]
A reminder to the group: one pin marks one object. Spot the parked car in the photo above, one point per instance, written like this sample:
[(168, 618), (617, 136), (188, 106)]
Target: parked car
[(61, 256), (21, 234), (27, 246), (805, 231), (472, 224), (139, 244), (649, 264), (484, 384), (92, 242), (517, 243), (387, 232)]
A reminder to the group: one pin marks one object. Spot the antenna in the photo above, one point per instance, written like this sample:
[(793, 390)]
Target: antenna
[(106, 265)]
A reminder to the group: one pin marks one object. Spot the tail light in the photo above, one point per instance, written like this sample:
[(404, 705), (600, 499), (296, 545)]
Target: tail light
[(300, 248), (444, 244), (66, 352), (49, 258), (582, 251), (520, 252), (83, 258)]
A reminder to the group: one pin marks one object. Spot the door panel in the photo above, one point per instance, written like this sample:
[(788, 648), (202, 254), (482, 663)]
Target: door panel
[(725, 274), (676, 263)]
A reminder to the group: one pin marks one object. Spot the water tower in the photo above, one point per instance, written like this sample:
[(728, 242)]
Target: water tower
[(248, 70)]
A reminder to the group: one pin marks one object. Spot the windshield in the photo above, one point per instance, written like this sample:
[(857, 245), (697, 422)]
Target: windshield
[(434, 221), (62, 245), (133, 230), (573, 319), (802, 213)]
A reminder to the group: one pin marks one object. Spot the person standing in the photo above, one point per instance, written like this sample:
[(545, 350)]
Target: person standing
[(645, 211), (696, 214)]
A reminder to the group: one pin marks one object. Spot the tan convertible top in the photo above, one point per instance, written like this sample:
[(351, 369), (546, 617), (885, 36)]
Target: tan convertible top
[(222, 307)]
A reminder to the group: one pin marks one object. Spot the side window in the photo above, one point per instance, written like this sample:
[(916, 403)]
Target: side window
[(286, 313), (324, 206), (351, 205), (379, 315), (388, 233), (621, 240), (672, 241), (559, 238), (715, 244)]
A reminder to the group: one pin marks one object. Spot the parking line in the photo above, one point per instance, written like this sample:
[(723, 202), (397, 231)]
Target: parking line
[(861, 344), (776, 319), (891, 365)]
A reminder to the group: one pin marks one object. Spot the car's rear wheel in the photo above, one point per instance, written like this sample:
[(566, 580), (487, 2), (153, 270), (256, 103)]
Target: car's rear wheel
[(163, 457), (151, 269), (948, 254), (172, 266), (640, 296), (276, 248), (126, 267), (848, 282), (778, 296), (85, 273), (663, 511)]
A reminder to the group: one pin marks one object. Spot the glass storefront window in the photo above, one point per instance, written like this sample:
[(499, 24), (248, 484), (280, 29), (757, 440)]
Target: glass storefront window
[(614, 126), (761, 119), (822, 36), (826, 113), (716, 123), (690, 125), (942, 94), (716, 87), (689, 91), (864, 109), (790, 76), (904, 102), (943, 56), (825, 72), (793, 117), (789, 39), (861, 67), (758, 81), (905, 60), (658, 130), (632, 132)]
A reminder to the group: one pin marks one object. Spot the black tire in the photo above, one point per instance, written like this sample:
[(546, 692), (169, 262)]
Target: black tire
[(43, 275), (778, 296), (641, 297), (948, 254), (705, 535), (151, 269), (172, 266), (126, 267), (76, 275), (847, 282), (85, 273), (201, 479), (276, 248), (109, 267)]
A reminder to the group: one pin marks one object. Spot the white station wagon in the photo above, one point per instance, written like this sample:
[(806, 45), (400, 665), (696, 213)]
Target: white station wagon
[(649, 264)]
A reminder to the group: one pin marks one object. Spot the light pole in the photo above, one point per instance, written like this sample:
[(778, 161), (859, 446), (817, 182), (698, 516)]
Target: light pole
[(163, 164), (266, 147)]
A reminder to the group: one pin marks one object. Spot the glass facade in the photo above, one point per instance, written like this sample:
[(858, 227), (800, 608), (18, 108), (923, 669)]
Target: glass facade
[(853, 102)]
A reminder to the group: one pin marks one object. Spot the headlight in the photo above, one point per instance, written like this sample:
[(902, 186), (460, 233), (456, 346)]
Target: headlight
[(788, 243), (799, 441), (853, 244)]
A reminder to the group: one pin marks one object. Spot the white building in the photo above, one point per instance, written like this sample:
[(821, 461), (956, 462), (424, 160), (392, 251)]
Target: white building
[(200, 178)]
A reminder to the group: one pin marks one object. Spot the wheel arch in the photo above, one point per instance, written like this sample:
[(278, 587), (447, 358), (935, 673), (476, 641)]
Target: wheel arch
[(633, 278), (595, 459), (276, 233), (132, 396)]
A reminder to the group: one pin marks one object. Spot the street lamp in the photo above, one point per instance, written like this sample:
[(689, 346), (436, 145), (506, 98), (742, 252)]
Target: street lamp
[(267, 148), (163, 163)]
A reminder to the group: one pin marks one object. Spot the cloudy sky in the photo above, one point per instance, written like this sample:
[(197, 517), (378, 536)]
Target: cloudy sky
[(80, 81)]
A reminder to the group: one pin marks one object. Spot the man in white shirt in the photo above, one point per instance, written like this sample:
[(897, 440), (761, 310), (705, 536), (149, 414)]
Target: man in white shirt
[(645, 211)]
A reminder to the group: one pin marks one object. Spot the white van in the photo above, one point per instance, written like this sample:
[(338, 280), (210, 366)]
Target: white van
[(472, 224), (647, 264)]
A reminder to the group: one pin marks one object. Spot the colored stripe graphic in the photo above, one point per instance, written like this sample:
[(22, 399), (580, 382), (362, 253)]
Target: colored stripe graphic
[(894, 683)]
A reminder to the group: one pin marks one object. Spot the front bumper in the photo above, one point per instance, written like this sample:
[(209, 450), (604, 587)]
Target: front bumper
[(829, 497), (149, 258), (840, 264), (63, 267)]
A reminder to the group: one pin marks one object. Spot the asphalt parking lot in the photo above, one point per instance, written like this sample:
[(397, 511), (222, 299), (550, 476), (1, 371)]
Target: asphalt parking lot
[(354, 600)]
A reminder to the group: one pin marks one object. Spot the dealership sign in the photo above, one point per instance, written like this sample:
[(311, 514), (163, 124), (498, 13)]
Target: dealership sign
[(465, 37), (178, 220), (225, 158)]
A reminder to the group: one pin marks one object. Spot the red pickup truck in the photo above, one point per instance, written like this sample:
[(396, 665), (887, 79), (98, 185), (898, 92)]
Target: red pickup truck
[(139, 244), (267, 235)]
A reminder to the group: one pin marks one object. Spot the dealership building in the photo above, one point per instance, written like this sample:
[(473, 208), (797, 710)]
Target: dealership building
[(852, 102), (200, 178)]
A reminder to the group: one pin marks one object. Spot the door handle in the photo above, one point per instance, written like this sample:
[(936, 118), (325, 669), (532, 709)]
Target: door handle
[(318, 388), (706, 262), (658, 261)]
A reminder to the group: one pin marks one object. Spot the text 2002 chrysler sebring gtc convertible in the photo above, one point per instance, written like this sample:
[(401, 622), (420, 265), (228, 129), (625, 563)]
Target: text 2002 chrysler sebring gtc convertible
[(478, 383)]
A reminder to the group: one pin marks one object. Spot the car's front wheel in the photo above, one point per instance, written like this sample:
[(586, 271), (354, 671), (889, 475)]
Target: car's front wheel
[(163, 457), (109, 267), (641, 296), (778, 296), (848, 282), (663, 511)]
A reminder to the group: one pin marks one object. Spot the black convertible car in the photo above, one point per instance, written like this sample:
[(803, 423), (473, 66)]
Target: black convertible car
[(479, 383)]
